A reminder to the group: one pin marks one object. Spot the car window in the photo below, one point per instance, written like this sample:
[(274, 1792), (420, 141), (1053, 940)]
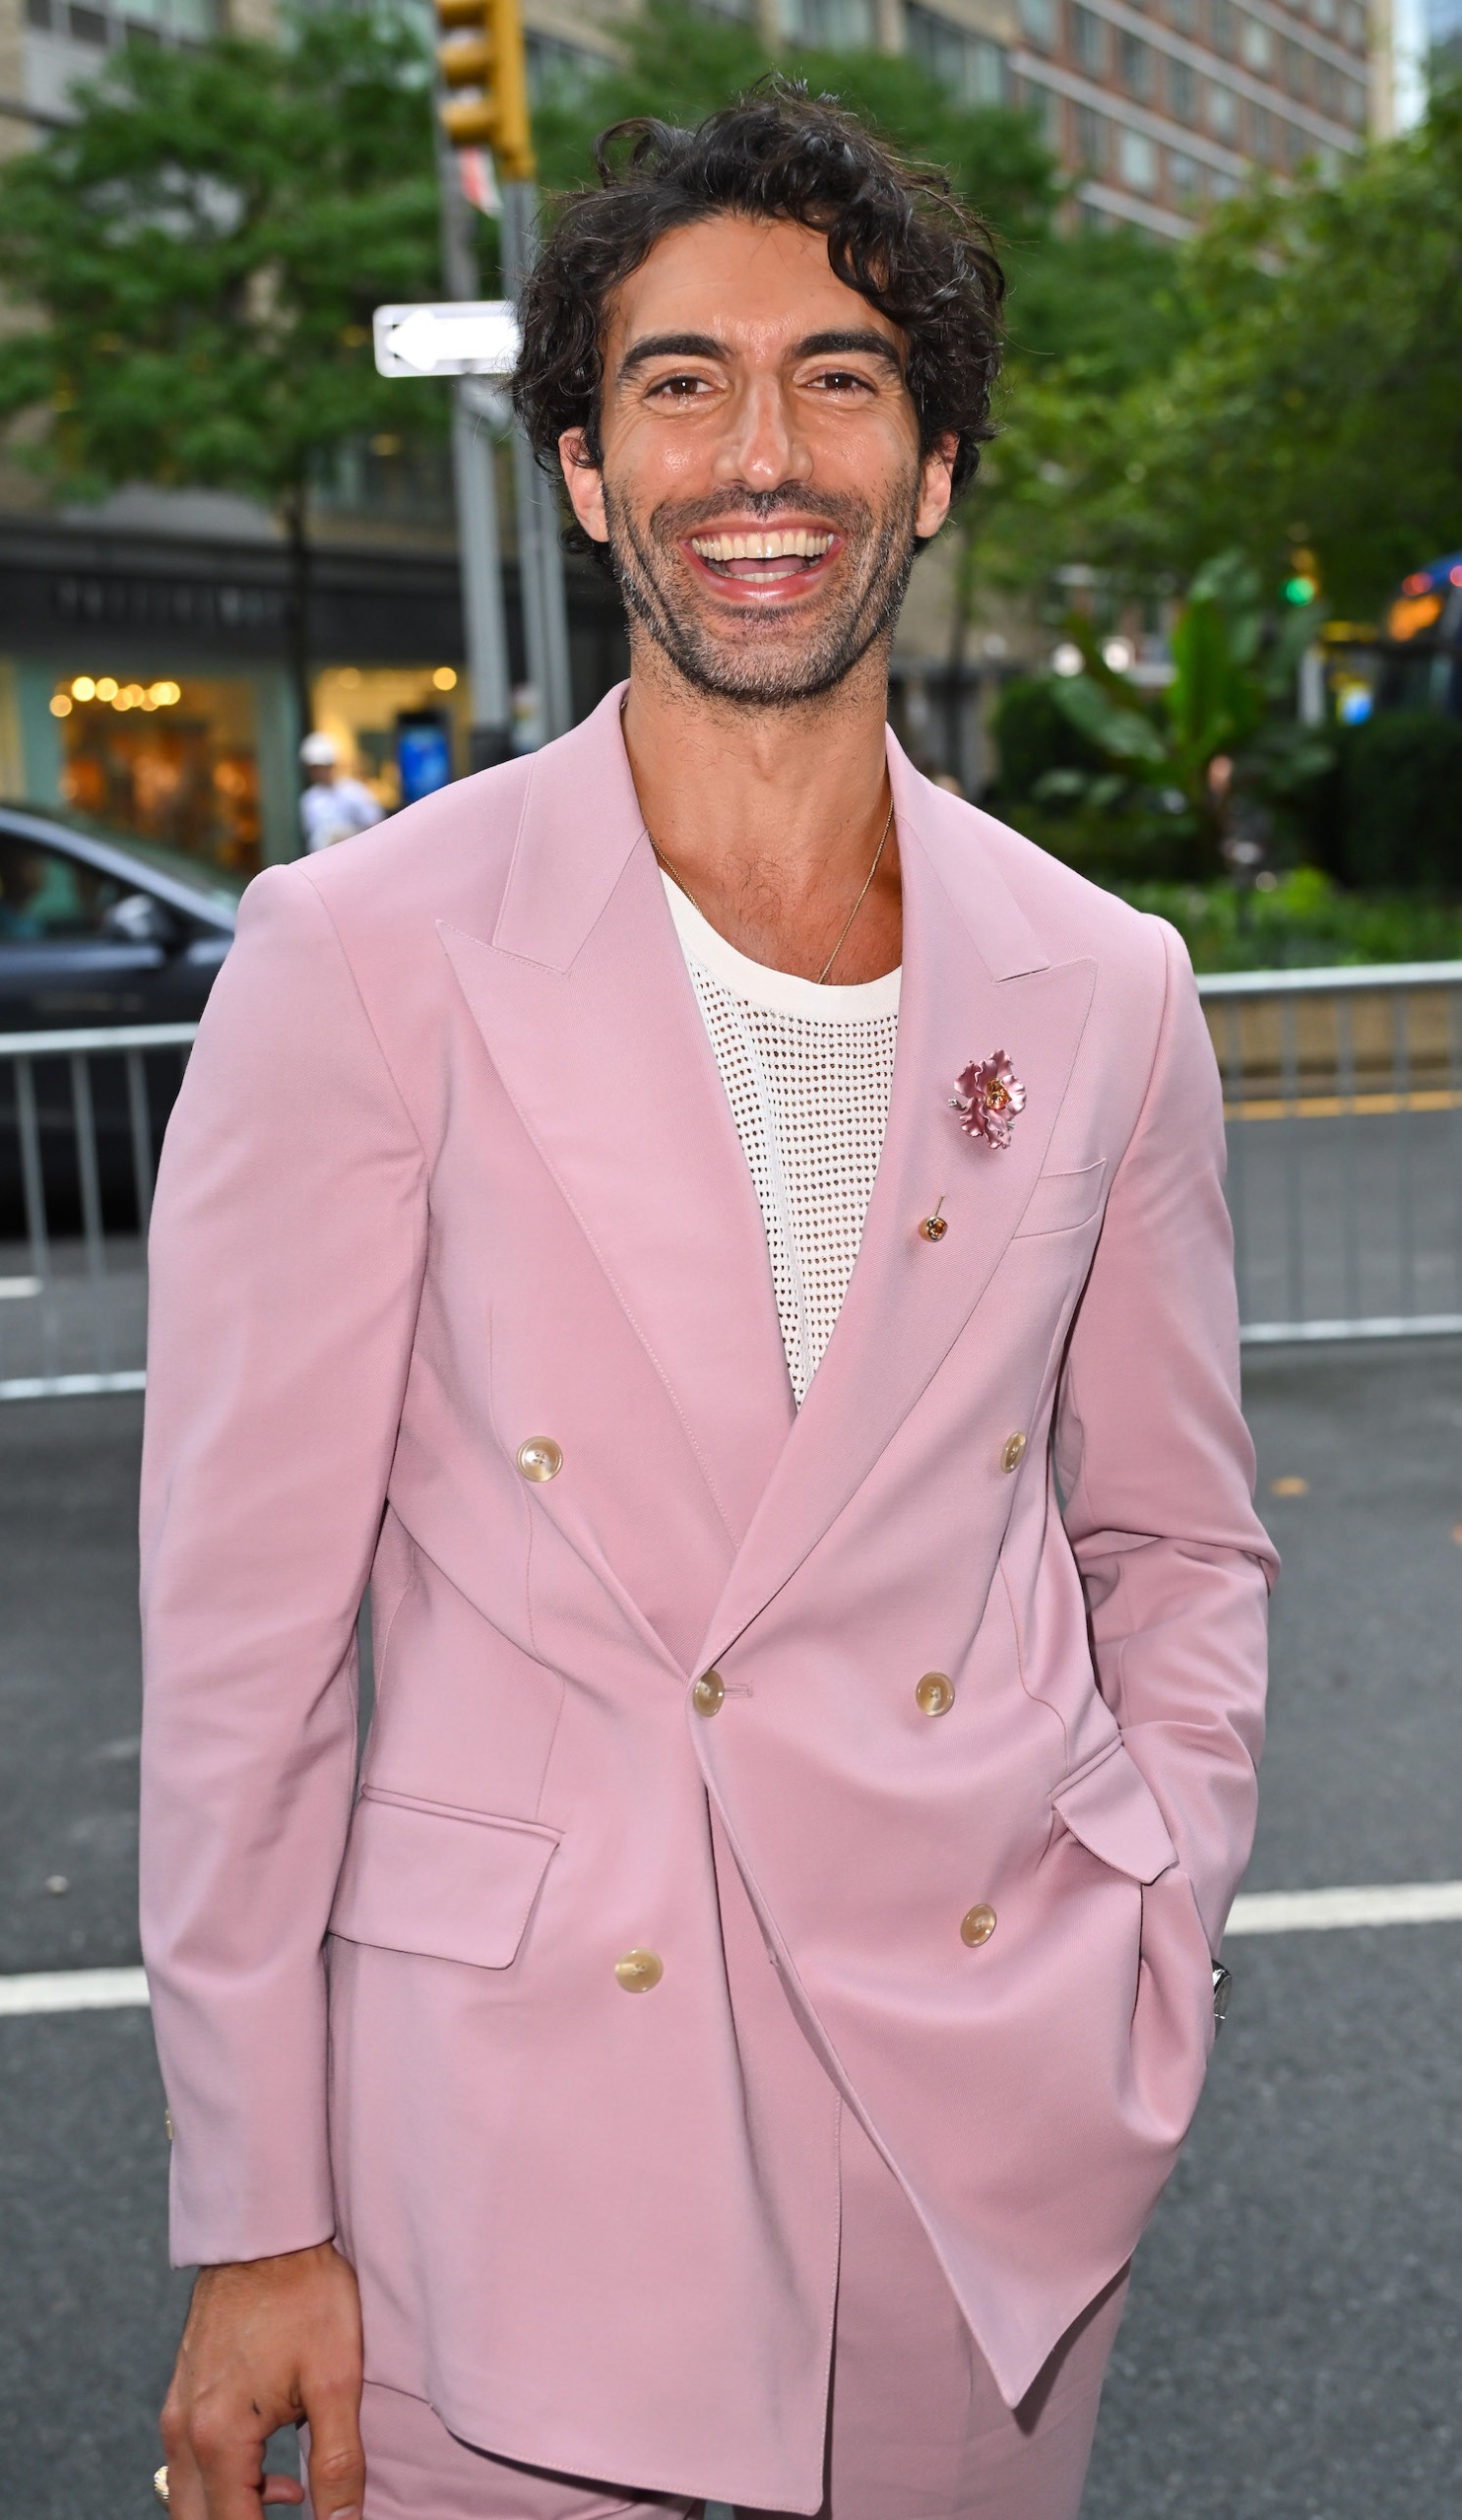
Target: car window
[(47, 896)]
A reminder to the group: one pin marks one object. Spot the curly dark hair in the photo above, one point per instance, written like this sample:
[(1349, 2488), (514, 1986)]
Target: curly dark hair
[(893, 233)]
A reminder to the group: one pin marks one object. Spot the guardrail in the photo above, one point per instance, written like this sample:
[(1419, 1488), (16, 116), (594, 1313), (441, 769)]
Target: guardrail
[(81, 1119), (1341, 1092), (1343, 1097)]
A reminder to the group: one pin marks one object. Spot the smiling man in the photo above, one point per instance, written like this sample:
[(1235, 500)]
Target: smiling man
[(728, 1242)]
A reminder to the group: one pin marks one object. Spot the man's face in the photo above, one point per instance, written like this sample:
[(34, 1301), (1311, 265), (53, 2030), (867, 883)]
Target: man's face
[(762, 485)]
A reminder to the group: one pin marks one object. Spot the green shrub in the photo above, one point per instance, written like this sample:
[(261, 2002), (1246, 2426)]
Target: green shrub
[(1035, 735), (1399, 803)]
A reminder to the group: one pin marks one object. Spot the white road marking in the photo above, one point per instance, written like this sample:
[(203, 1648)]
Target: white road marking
[(1399, 1902), (73, 1990), (1392, 1902)]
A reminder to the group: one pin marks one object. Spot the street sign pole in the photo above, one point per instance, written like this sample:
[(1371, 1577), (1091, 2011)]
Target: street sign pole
[(540, 553), (483, 618)]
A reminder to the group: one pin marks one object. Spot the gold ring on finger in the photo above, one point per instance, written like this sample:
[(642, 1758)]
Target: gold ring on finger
[(159, 2485)]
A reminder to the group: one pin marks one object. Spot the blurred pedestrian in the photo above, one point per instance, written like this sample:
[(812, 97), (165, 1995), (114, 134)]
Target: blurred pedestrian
[(731, 2040), (332, 806)]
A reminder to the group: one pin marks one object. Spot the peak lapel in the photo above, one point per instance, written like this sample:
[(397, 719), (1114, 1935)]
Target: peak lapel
[(975, 980), (585, 1004)]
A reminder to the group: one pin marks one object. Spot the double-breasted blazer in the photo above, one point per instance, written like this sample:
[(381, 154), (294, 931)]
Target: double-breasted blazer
[(461, 1289)]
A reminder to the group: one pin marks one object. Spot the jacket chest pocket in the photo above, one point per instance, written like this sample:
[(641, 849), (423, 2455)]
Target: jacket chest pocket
[(1062, 1200)]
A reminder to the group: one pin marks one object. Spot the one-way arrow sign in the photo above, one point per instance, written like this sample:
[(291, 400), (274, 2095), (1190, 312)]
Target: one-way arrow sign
[(464, 338)]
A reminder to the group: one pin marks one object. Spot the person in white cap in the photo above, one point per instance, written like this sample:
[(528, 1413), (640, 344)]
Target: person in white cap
[(332, 806)]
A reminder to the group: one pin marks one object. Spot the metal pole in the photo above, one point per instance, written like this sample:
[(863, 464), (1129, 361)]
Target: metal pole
[(539, 554), (483, 616)]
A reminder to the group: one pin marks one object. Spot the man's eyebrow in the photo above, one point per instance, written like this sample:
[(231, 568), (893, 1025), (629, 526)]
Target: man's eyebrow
[(706, 346), (840, 345), (672, 345)]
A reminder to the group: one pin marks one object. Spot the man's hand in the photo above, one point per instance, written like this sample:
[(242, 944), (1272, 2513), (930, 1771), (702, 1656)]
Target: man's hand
[(276, 2341)]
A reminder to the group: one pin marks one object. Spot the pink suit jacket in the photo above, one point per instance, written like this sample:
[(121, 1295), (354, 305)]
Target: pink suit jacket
[(453, 1170)]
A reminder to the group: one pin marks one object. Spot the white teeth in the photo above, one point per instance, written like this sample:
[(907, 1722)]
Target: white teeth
[(798, 545)]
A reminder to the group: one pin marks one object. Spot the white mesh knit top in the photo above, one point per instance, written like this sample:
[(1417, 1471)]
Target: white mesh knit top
[(807, 1071)]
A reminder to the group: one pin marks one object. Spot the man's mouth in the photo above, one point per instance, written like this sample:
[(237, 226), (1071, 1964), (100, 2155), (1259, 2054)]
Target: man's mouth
[(762, 558)]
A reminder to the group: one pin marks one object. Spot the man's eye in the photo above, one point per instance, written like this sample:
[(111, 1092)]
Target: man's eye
[(840, 380), (681, 389)]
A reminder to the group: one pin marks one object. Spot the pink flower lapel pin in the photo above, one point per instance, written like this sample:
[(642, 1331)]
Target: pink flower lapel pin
[(989, 1098)]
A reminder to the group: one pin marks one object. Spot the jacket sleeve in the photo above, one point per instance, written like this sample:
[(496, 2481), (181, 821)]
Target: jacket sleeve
[(1155, 1466), (285, 1260)]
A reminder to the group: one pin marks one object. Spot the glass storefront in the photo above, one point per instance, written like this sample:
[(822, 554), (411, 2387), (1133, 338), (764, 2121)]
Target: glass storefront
[(378, 715), (171, 759)]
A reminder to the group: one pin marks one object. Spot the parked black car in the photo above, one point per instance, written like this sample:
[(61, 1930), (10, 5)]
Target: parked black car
[(100, 928), (97, 930)]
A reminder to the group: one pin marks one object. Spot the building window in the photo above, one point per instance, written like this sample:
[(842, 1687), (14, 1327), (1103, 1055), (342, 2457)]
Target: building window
[(1298, 147), (1183, 91), (1354, 104), (1135, 66), (1254, 44), (969, 67), (1183, 15), (1137, 161), (1353, 26), (1045, 107), (1294, 67), (1223, 111), (1038, 23), (840, 25), (1089, 40), (1222, 27), (1323, 13), (1091, 139), (1261, 132), (1329, 87), (1184, 175)]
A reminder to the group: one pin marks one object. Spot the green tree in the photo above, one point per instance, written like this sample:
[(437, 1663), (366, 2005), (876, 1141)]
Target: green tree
[(1318, 399), (198, 256)]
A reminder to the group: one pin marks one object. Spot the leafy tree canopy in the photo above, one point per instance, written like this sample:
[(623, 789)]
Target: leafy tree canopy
[(1317, 399), (204, 245)]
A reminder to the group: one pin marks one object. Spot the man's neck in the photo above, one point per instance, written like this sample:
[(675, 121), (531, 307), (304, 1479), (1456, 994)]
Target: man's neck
[(770, 818)]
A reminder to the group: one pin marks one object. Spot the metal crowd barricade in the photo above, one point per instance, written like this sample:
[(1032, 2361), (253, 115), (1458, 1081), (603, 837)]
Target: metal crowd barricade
[(1343, 1100), (1342, 1095), (81, 1121)]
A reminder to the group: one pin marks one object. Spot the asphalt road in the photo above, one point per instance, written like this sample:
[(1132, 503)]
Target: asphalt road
[(1295, 2339)]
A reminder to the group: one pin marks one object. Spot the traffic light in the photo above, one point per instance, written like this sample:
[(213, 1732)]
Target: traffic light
[(1303, 584), (484, 58)]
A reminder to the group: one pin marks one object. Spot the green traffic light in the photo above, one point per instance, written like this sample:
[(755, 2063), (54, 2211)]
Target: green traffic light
[(1301, 589)]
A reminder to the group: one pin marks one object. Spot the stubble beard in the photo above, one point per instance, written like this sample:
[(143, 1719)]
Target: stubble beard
[(763, 668)]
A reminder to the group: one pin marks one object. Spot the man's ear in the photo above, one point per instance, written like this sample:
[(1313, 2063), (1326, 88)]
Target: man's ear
[(585, 485), (936, 479)]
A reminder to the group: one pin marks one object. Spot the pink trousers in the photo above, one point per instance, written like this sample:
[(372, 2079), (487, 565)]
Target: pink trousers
[(916, 2430)]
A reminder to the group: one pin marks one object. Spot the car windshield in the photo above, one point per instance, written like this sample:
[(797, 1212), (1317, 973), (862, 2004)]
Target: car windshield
[(216, 883)]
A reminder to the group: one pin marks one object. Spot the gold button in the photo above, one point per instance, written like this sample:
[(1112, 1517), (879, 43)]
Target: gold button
[(934, 1227), (935, 1694), (167, 2122), (639, 1971), (1012, 1452), (977, 1927), (540, 1458), (709, 1693)]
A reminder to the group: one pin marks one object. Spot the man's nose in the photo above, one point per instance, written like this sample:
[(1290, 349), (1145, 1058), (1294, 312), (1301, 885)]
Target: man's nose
[(763, 445)]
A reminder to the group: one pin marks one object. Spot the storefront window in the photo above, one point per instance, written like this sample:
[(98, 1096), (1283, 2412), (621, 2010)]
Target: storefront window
[(379, 714), (171, 760)]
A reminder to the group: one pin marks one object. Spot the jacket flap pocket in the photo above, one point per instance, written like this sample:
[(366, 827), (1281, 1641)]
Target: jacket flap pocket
[(1113, 1809), (450, 1884), (1061, 1201)]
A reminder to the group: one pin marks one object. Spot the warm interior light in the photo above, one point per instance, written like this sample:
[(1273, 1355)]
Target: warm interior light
[(84, 688), (445, 677), (107, 688), (61, 705)]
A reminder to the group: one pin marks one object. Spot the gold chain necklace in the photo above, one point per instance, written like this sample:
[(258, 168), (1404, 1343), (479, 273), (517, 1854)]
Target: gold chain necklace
[(678, 878)]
